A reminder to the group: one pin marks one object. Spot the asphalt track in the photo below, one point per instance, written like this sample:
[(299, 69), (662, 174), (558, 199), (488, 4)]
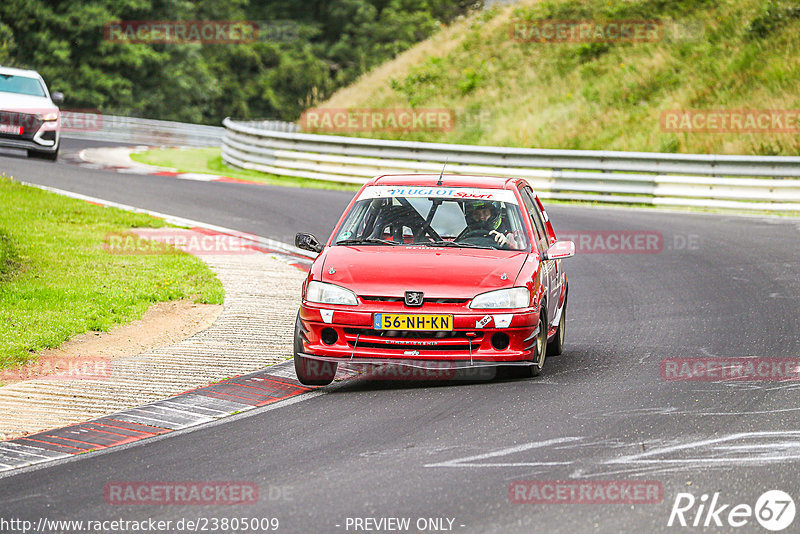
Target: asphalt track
[(718, 286)]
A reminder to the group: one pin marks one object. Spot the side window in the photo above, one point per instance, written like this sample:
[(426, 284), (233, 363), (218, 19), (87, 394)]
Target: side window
[(536, 218)]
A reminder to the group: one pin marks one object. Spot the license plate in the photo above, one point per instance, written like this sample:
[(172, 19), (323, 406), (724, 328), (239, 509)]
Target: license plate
[(10, 129), (402, 321)]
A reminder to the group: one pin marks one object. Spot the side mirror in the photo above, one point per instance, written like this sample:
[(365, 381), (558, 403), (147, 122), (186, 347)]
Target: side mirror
[(57, 98), (559, 250), (307, 242)]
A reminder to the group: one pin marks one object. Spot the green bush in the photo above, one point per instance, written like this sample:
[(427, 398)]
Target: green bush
[(327, 46)]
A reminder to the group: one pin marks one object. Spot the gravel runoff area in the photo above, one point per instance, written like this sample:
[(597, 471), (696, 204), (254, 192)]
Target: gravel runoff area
[(262, 295)]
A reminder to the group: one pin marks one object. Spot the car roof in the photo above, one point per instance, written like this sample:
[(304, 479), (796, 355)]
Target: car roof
[(448, 180), (19, 72)]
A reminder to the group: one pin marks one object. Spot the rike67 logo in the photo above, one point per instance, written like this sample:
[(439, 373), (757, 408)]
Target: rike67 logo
[(774, 510)]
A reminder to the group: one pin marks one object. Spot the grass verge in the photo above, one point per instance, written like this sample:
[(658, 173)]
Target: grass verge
[(209, 161), (57, 280)]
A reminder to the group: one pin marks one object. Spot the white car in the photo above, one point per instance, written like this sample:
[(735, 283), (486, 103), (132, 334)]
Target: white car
[(29, 117)]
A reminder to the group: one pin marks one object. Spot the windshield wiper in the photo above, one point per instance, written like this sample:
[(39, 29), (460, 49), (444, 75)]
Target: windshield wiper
[(368, 241), (454, 244)]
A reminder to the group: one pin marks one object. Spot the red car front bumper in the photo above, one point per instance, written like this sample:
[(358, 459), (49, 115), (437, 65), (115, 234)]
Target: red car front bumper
[(479, 337)]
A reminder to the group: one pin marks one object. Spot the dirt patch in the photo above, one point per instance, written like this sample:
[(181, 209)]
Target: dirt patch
[(163, 324)]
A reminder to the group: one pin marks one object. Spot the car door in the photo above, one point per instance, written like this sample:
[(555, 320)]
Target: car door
[(550, 274)]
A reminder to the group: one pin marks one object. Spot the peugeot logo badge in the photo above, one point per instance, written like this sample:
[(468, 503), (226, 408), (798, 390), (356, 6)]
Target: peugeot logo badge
[(414, 298)]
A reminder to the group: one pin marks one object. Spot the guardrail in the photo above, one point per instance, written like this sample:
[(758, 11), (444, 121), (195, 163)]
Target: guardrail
[(100, 127), (741, 182)]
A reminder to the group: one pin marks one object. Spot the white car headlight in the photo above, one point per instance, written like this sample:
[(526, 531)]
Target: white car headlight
[(323, 293), (52, 116), (516, 297)]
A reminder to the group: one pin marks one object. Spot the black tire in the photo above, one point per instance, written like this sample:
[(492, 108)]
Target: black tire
[(556, 346), (49, 156), (310, 372), (539, 350)]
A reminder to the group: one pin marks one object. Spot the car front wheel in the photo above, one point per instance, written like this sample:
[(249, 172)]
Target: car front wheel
[(310, 372), (539, 351)]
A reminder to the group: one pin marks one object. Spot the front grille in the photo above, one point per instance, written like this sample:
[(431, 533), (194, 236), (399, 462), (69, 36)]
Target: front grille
[(411, 340), (407, 334), (30, 124)]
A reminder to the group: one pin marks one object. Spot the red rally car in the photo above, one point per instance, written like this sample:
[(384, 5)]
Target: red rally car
[(424, 270)]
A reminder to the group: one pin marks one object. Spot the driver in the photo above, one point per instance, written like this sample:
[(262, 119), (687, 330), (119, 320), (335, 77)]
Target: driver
[(484, 217)]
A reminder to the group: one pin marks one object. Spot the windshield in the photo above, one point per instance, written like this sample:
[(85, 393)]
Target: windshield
[(440, 216), (21, 85)]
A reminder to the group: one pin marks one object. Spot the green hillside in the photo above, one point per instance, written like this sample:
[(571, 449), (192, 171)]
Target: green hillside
[(712, 55)]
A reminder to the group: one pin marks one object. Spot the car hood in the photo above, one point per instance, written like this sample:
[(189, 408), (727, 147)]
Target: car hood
[(26, 103), (438, 272)]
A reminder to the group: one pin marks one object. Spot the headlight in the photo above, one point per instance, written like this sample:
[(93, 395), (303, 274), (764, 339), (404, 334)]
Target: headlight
[(52, 116), (323, 293), (516, 297)]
